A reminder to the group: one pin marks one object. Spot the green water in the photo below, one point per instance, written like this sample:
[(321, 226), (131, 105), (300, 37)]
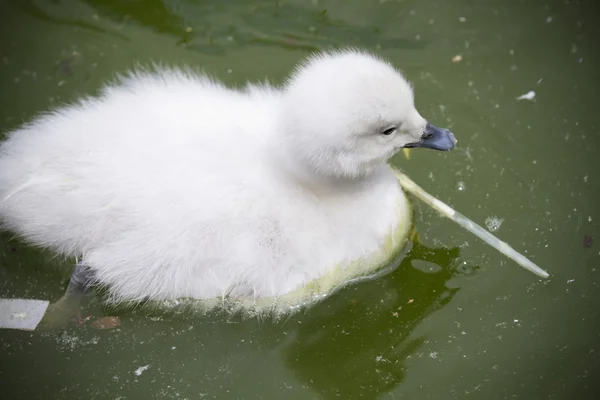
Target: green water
[(456, 319)]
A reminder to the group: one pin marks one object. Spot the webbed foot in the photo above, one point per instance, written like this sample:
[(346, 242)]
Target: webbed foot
[(68, 307)]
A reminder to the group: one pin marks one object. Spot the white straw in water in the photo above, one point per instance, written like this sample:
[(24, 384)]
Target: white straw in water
[(469, 225)]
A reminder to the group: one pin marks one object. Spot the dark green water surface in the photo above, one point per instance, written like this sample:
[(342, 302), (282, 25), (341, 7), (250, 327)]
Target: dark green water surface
[(456, 319)]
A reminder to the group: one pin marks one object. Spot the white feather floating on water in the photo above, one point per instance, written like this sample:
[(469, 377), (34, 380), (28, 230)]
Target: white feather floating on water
[(469, 225), (527, 96)]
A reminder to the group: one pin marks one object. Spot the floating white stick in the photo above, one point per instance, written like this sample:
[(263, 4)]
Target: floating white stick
[(466, 223), (21, 314)]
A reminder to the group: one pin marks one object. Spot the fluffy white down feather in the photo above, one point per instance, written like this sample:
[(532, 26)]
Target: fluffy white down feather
[(171, 185)]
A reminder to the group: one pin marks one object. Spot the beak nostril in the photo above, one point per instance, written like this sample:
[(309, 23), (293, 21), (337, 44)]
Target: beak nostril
[(427, 135)]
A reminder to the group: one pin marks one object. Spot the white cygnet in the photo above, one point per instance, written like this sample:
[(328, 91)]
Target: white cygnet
[(171, 185)]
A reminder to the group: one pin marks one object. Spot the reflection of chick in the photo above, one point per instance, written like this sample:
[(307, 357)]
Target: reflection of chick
[(351, 346)]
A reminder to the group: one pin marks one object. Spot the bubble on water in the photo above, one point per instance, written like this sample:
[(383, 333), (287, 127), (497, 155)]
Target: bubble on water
[(460, 186), (493, 223)]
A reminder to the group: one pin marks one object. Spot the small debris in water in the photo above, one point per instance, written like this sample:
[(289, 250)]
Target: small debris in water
[(139, 371), (527, 96), (587, 241), (460, 186), (66, 67), (188, 29), (410, 301), (457, 58), (548, 20), (462, 19), (67, 342), (493, 223), (106, 323), (79, 320), (571, 280)]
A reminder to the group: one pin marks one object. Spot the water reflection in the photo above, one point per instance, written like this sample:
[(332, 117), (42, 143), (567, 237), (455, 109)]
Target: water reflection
[(358, 346), (155, 14), (41, 12), (216, 27)]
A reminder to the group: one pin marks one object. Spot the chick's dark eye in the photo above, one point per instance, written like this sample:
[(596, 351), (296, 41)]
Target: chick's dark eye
[(388, 131)]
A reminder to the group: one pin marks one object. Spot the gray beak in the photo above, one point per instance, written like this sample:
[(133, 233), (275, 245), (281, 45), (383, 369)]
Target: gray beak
[(435, 138)]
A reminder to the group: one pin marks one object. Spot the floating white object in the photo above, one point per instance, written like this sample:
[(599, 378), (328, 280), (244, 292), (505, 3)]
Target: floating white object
[(22, 314), (527, 96), (469, 225)]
